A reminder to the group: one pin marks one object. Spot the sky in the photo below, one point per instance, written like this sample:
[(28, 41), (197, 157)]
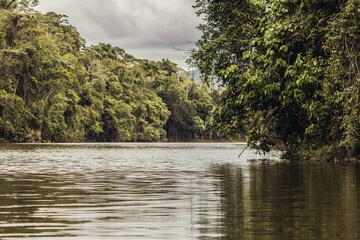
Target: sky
[(144, 28)]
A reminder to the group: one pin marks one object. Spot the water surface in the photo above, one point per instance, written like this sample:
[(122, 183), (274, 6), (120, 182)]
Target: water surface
[(172, 191)]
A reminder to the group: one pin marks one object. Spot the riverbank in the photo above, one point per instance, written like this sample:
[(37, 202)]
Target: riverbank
[(325, 153), (170, 141)]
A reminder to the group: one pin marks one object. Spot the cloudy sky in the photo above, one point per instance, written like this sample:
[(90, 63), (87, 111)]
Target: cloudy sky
[(144, 28)]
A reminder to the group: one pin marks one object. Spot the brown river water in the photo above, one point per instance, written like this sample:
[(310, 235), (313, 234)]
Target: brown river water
[(172, 191)]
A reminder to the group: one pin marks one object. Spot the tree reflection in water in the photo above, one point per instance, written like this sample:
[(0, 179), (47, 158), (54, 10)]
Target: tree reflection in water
[(26, 202), (286, 200)]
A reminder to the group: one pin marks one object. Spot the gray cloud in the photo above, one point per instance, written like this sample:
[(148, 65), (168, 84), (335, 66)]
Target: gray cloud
[(146, 27)]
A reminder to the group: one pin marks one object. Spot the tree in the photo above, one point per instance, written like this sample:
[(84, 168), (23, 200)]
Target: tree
[(14, 4), (290, 69)]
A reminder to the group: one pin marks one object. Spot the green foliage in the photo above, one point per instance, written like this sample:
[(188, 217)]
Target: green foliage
[(54, 88), (14, 117), (292, 80)]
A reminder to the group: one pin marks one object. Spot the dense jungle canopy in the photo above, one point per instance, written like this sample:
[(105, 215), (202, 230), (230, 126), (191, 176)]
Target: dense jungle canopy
[(54, 88), (291, 71)]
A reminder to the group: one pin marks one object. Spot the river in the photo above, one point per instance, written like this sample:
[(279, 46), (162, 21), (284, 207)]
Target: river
[(172, 191)]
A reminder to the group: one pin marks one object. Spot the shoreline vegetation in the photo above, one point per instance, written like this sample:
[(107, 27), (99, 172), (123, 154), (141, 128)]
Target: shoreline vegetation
[(54, 88), (291, 70)]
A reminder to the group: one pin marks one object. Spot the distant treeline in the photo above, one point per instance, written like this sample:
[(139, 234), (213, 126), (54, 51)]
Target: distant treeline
[(53, 88)]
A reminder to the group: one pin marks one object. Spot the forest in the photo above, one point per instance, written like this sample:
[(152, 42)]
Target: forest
[(291, 71), (54, 88)]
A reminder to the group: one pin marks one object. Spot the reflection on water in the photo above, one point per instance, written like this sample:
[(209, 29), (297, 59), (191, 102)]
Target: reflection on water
[(172, 191)]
